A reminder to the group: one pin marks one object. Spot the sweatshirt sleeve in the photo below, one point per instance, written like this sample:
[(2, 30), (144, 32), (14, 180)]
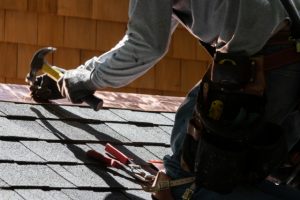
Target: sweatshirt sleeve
[(146, 40)]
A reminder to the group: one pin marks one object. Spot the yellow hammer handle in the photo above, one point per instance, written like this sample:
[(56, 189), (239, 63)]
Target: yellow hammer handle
[(51, 72)]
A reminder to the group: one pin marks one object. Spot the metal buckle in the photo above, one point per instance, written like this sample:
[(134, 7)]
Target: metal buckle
[(297, 42), (140, 173), (163, 185), (188, 194), (298, 45)]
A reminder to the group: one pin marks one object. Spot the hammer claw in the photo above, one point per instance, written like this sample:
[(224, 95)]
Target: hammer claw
[(37, 63)]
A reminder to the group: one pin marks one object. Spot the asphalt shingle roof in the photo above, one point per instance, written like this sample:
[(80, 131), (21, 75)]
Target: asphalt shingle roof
[(43, 147)]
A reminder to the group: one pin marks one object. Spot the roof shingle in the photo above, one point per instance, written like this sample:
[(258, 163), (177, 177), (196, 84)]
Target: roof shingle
[(43, 146)]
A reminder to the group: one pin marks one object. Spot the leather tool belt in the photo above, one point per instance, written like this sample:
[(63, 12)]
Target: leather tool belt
[(283, 50)]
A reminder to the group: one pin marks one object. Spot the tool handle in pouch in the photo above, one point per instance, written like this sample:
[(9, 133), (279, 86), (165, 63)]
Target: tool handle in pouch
[(117, 154)]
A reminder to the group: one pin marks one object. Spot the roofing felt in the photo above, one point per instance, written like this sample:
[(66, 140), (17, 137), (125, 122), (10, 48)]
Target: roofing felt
[(43, 145)]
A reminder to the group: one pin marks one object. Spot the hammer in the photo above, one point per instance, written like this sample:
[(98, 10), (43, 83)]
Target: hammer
[(39, 63)]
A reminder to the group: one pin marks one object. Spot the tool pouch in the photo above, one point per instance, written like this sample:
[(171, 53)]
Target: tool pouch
[(216, 168), (220, 164), (231, 144), (232, 70)]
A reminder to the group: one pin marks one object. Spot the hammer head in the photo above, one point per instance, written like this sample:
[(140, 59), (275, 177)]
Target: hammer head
[(37, 63)]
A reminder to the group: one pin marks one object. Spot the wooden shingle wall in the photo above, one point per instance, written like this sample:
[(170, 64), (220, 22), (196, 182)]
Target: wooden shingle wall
[(81, 29)]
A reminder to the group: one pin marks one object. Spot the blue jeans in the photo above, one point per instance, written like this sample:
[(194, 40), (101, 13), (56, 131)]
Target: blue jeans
[(283, 95)]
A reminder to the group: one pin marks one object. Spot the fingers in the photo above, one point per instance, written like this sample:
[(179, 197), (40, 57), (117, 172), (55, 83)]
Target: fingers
[(41, 94), (44, 88), (63, 88), (72, 85)]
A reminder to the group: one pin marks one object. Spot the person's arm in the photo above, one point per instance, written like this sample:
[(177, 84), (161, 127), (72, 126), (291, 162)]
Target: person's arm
[(146, 41)]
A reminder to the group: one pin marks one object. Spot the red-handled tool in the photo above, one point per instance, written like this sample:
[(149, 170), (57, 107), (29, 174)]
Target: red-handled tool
[(109, 162), (117, 154), (117, 159)]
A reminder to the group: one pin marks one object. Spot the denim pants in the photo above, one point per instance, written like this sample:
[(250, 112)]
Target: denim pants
[(283, 96)]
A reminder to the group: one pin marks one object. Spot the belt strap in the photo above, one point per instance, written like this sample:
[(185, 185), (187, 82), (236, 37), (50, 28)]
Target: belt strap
[(187, 195), (283, 57), (162, 182)]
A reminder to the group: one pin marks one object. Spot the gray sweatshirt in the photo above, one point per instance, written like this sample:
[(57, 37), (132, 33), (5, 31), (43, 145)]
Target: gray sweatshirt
[(229, 25)]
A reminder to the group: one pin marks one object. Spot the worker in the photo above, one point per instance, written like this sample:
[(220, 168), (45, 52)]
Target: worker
[(229, 117)]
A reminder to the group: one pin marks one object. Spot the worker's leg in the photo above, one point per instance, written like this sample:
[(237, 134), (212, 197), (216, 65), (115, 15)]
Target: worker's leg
[(283, 98), (262, 191), (182, 118)]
